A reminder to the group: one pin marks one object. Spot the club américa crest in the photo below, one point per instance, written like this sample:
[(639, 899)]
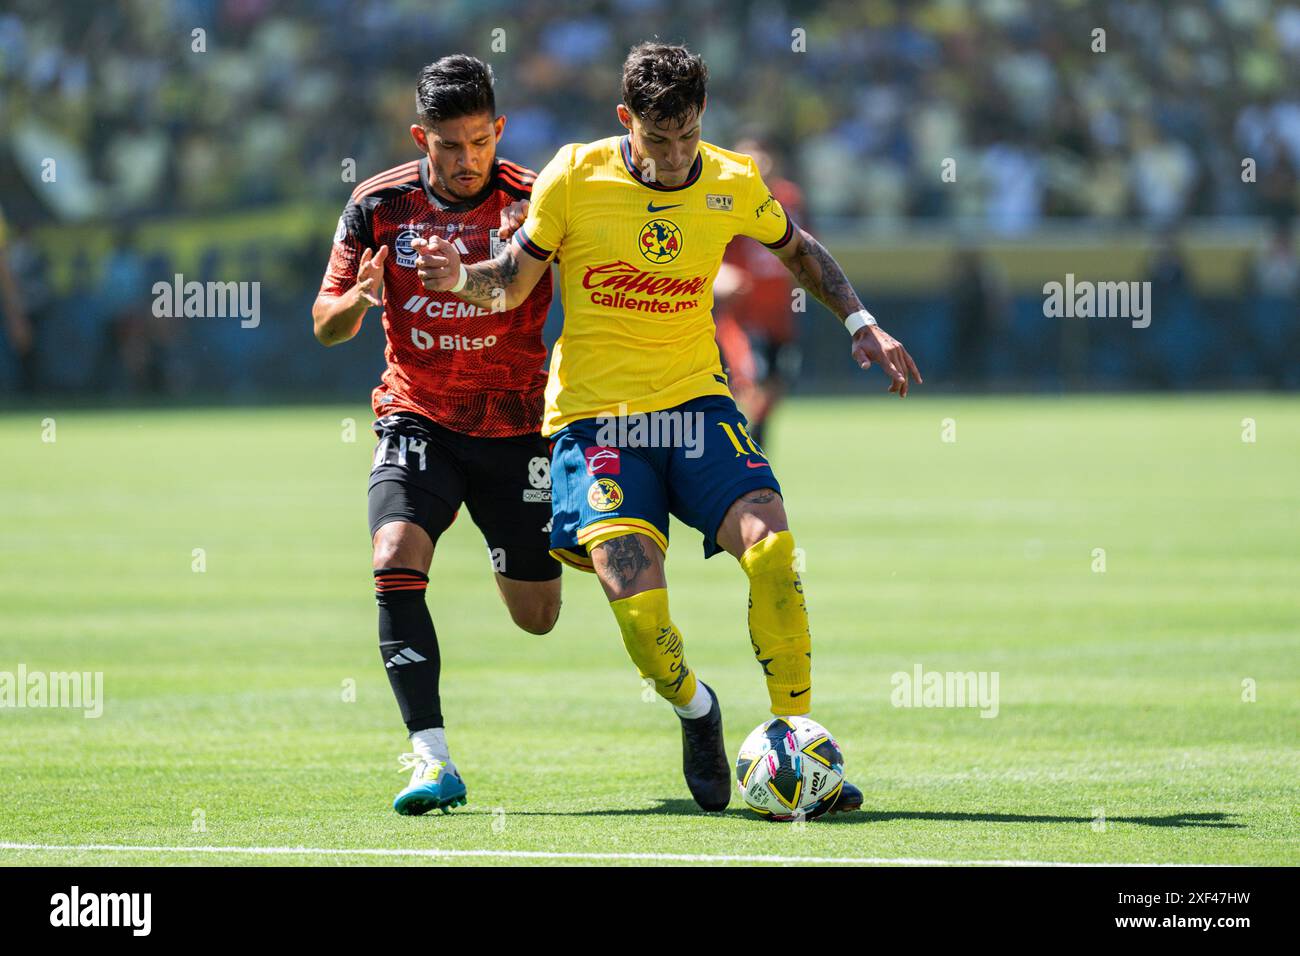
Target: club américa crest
[(660, 241), (604, 494)]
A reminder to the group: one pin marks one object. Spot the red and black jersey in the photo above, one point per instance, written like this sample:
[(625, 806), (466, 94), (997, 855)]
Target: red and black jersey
[(469, 369)]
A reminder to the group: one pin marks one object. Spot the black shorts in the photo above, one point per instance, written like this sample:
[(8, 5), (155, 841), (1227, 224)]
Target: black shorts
[(424, 472)]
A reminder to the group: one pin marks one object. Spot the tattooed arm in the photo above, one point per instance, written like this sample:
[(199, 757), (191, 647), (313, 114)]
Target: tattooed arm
[(817, 271), (497, 284)]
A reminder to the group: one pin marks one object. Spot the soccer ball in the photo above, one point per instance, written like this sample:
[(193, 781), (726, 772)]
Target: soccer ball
[(790, 768)]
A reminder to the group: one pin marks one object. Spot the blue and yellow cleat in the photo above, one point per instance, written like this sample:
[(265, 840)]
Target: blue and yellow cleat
[(435, 785)]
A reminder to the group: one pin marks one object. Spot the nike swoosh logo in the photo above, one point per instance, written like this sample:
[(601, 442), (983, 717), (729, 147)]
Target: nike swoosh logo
[(801, 693), (756, 464), (651, 207)]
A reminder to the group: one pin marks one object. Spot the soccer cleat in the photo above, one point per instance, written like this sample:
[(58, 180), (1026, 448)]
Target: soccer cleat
[(435, 785), (850, 799), (704, 758)]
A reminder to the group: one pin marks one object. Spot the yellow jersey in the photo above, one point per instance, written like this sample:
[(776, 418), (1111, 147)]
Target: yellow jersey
[(637, 262)]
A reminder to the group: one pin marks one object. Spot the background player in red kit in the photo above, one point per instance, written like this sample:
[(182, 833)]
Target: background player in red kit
[(459, 407), (757, 332)]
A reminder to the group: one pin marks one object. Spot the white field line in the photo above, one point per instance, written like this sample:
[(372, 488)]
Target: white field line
[(547, 855)]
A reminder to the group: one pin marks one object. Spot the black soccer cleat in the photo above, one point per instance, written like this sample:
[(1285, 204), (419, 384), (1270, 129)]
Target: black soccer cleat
[(704, 758), (850, 799)]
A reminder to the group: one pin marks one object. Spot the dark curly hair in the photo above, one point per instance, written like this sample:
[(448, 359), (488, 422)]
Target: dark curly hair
[(664, 83), (455, 86)]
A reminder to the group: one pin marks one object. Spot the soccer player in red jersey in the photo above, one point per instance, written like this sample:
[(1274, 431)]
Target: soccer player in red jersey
[(459, 408)]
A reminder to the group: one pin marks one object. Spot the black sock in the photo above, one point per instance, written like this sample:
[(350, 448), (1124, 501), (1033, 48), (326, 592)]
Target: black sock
[(408, 646)]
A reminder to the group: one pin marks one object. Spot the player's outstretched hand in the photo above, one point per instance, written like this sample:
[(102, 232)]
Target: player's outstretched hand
[(370, 275), (871, 343), (512, 217), (438, 263)]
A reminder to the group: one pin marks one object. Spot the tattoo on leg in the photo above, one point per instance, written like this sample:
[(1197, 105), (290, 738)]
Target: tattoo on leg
[(760, 497), (626, 558)]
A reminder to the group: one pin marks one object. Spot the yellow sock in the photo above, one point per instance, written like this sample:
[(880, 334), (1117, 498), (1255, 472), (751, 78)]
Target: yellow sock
[(778, 623), (655, 644)]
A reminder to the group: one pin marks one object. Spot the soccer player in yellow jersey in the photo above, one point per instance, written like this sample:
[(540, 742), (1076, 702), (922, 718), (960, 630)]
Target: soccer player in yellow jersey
[(638, 409)]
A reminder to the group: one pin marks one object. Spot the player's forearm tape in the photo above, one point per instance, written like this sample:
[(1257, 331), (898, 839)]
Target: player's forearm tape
[(858, 320), (460, 283)]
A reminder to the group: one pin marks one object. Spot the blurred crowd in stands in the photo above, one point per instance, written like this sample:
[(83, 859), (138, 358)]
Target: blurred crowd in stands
[(867, 102), (1140, 114)]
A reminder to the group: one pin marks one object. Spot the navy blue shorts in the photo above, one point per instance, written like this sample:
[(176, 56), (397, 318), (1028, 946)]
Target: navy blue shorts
[(613, 475)]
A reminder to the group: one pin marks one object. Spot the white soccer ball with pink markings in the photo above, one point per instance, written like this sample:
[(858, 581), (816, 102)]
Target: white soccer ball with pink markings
[(790, 768)]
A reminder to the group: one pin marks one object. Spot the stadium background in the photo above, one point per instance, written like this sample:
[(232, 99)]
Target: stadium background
[(227, 164)]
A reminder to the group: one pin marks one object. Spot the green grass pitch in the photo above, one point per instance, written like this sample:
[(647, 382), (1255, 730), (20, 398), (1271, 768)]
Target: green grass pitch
[(1124, 731)]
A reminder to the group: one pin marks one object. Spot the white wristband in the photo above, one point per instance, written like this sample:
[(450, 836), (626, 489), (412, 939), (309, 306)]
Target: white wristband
[(460, 283), (858, 320)]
